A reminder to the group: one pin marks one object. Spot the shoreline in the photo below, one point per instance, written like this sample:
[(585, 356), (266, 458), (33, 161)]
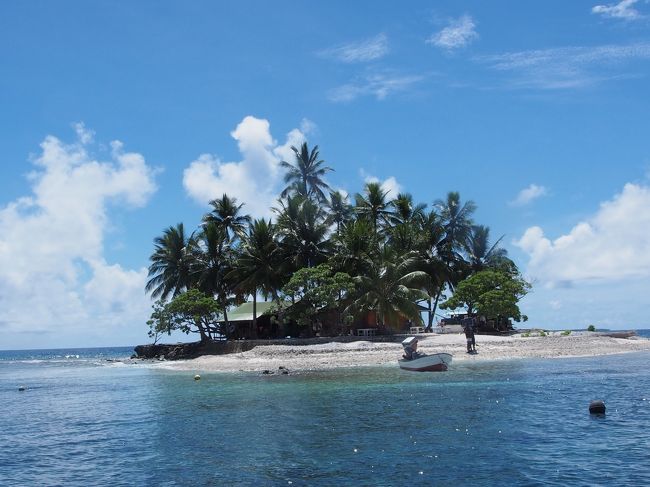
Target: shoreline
[(333, 355)]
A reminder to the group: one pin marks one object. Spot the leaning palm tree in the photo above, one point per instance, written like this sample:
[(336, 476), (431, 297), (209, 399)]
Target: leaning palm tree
[(481, 255), (305, 176), (227, 214), (372, 205), (170, 272), (390, 288)]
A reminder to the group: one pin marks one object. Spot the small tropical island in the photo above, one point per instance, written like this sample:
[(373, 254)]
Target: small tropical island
[(338, 276)]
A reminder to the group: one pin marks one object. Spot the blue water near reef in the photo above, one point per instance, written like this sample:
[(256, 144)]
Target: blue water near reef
[(86, 419)]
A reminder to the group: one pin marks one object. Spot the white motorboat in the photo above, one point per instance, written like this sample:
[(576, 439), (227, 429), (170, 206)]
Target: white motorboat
[(427, 363), (420, 362)]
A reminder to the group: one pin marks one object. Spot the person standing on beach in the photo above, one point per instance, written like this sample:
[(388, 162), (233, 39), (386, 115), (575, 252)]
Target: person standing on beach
[(468, 326)]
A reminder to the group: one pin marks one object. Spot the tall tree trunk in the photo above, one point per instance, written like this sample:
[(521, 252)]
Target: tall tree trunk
[(225, 318), (255, 310), (435, 303)]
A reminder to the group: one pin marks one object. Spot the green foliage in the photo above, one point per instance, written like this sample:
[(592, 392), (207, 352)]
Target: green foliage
[(542, 333), (591, 328), (490, 293), (190, 312), (314, 290), (566, 333), (526, 335)]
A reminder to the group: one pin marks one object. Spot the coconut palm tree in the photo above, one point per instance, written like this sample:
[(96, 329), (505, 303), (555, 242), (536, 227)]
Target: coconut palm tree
[(354, 248), (372, 205), (227, 214), (340, 211), (171, 269), (259, 266), (481, 255), (303, 232), (432, 262), (213, 261), (405, 211), (390, 287), (456, 220), (305, 176)]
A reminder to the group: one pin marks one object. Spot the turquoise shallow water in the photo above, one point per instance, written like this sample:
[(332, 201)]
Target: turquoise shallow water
[(87, 420)]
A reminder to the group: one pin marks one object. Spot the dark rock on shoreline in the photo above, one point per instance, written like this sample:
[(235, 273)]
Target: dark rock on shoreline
[(182, 351)]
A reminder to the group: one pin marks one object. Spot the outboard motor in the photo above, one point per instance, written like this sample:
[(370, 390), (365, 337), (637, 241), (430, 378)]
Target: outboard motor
[(409, 347)]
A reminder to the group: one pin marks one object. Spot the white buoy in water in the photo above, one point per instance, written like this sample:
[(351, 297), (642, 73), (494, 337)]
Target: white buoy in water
[(197, 377)]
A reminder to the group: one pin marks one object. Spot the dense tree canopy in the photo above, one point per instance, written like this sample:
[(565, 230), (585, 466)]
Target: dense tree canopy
[(490, 293), (384, 255)]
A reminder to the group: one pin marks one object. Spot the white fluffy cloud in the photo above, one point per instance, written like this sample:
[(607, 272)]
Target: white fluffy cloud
[(528, 194), (459, 33), (612, 245), (621, 10), (256, 180), (52, 265)]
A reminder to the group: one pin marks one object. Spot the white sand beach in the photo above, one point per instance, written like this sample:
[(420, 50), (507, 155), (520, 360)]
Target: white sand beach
[(365, 353)]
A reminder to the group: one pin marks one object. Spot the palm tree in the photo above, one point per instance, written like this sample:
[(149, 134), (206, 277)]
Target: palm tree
[(372, 205), (305, 177), (170, 272), (432, 262), (481, 255), (226, 214), (303, 232), (258, 266), (390, 287), (456, 220), (355, 247), (405, 211), (213, 261), (340, 210)]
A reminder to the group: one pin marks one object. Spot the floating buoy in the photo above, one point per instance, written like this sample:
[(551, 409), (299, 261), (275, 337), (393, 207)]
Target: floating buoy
[(597, 407), (197, 377), (21, 388)]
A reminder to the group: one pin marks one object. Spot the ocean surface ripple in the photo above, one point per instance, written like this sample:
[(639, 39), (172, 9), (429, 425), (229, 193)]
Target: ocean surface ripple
[(91, 417)]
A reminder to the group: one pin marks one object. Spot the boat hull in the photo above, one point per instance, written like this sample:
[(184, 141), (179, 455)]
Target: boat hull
[(436, 362)]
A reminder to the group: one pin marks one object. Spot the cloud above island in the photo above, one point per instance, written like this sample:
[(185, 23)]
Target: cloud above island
[(612, 245), (255, 180), (54, 276)]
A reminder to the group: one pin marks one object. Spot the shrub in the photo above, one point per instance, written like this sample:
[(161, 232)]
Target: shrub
[(591, 328), (542, 333), (566, 332)]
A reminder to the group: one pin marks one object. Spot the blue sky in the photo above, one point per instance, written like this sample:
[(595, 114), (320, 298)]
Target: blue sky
[(118, 119)]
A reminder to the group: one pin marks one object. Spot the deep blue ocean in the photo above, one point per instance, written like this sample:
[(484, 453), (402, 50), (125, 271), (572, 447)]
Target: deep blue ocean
[(88, 418)]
